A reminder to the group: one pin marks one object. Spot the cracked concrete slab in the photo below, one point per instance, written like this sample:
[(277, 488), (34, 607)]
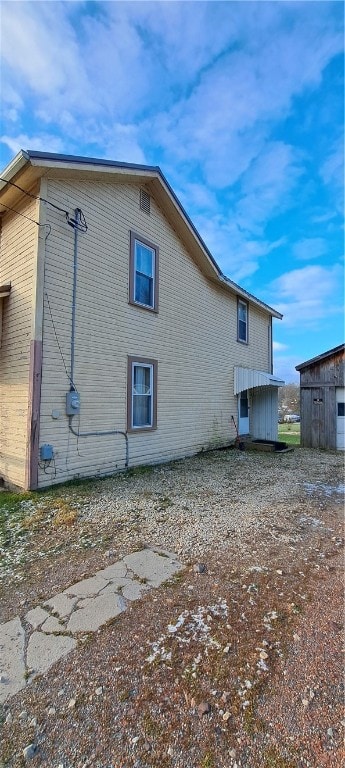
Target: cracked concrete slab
[(130, 589), (12, 643), (36, 617), (62, 605), (116, 585), (84, 607), (134, 590), (52, 624), (87, 587), (44, 650), (117, 570), (151, 566), (98, 611)]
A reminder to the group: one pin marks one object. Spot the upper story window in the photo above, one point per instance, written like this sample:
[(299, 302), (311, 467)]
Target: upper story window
[(242, 321), (143, 273)]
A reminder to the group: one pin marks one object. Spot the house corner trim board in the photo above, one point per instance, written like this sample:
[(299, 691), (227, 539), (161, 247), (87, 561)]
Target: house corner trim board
[(36, 350), (35, 377)]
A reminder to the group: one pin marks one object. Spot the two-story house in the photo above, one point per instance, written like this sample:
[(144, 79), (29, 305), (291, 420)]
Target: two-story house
[(122, 343)]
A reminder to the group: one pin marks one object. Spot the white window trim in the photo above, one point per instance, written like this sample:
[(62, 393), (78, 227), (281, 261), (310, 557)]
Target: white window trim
[(150, 394)]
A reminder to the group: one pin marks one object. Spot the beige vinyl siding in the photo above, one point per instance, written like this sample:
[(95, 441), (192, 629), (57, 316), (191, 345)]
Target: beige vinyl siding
[(17, 263), (193, 337)]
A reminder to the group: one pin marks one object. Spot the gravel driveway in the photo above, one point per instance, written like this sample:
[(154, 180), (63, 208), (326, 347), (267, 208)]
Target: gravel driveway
[(235, 664)]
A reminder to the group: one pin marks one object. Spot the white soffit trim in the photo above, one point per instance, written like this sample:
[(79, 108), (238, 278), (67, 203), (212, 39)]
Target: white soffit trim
[(248, 378)]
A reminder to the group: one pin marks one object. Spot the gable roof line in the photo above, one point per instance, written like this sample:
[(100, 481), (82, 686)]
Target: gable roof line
[(34, 157), (80, 160), (323, 356)]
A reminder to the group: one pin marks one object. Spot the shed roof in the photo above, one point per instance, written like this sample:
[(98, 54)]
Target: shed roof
[(323, 356), (28, 166)]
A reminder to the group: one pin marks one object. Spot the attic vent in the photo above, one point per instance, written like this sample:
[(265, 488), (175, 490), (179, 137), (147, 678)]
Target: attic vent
[(145, 201)]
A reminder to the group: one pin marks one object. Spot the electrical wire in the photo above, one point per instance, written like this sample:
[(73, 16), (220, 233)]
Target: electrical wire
[(34, 197), (17, 187), (58, 343), (47, 465), (81, 225), (22, 214), (29, 219)]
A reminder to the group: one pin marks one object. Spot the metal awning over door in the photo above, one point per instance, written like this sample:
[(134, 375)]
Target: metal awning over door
[(248, 378)]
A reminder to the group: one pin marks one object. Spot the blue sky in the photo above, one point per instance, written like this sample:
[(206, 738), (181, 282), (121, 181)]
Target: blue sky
[(239, 103)]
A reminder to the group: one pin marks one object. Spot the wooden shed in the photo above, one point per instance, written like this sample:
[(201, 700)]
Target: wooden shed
[(322, 381)]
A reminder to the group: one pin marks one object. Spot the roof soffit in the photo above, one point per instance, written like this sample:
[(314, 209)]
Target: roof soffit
[(28, 168)]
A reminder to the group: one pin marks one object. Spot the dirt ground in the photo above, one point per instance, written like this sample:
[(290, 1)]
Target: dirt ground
[(237, 666)]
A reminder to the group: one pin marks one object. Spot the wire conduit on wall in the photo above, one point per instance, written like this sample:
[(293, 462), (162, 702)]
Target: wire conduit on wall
[(79, 225)]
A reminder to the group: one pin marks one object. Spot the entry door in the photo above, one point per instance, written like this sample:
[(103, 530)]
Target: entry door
[(243, 413), (340, 397)]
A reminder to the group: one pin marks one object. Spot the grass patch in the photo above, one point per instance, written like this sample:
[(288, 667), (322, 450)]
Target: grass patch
[(144, 469), (290, 433), (272, 759), (14, 509), (207, 761)]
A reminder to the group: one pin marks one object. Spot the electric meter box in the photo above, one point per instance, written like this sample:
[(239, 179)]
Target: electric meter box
[(72, 403)]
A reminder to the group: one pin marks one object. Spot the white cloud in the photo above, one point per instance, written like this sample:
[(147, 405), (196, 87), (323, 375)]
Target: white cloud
[(199, 196), (237, 253), (121, 142), (332, 170), (39, 143), (323, 218), (227, 117), (40, 47), (278, 346), (306, 296), (202, 71), (201, 86), (285, 368), (310, 248), (268, 184), (178, 34), (12, 103)]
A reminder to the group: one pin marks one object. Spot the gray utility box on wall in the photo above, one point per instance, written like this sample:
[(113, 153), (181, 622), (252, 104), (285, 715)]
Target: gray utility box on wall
[(72, 403)]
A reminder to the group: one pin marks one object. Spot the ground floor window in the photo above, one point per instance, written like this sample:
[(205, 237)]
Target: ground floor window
[(142, 394)]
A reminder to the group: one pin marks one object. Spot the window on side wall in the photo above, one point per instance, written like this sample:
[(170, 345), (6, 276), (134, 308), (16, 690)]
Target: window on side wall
[(242, 321), (142, 394), (143, 273)]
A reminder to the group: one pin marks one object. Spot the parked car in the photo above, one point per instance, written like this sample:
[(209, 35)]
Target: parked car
[(292, 418)]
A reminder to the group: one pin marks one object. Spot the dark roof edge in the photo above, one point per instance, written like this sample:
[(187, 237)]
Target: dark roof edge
[(80, 159), (324, 355), (77, 159), (242, 292), (28, 155)]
